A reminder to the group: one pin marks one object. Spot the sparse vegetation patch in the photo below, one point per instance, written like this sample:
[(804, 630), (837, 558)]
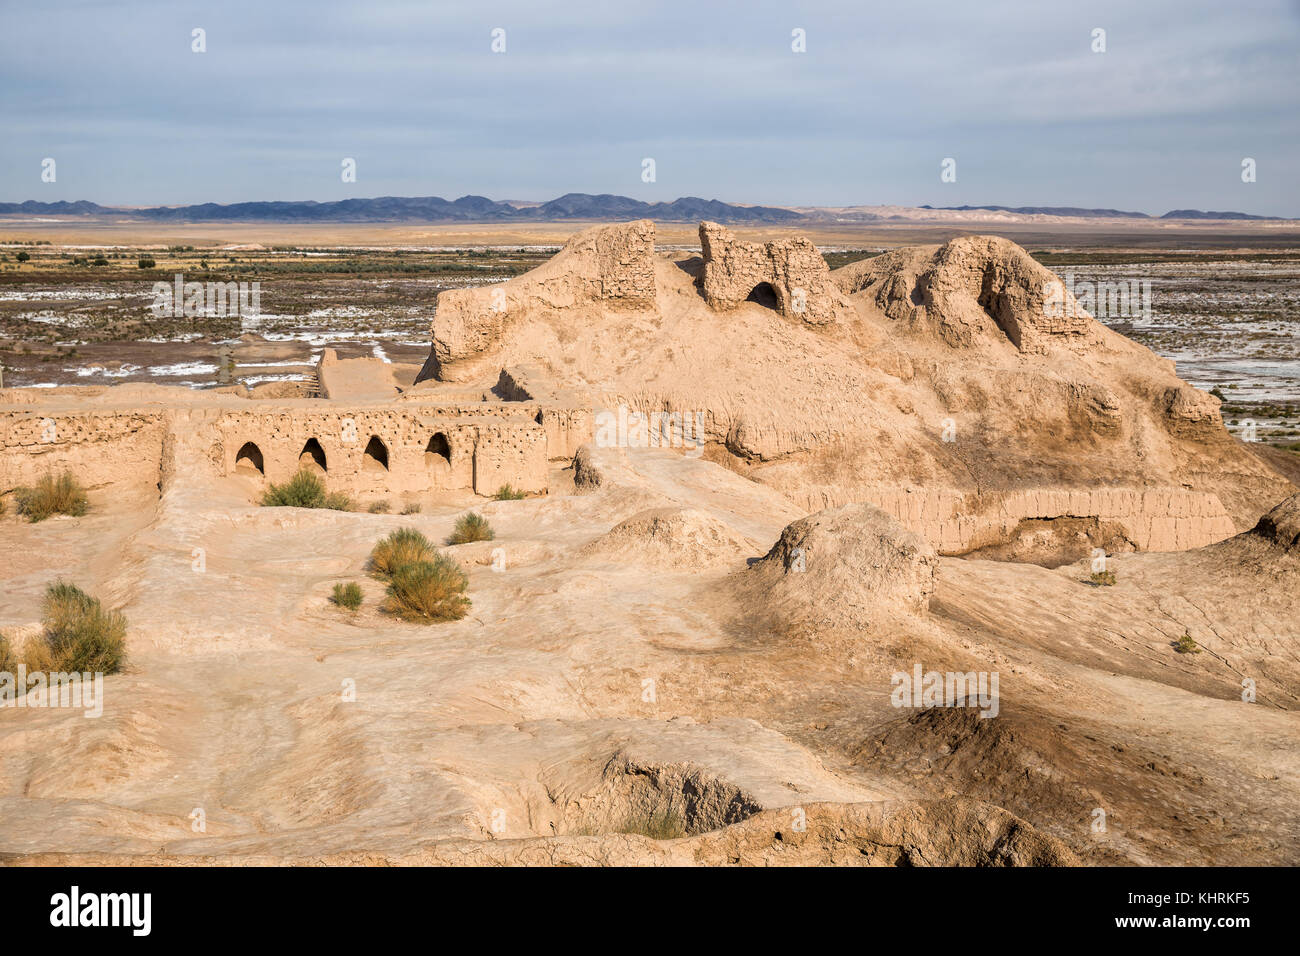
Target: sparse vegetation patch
[(63, 495), (347, 595), (404, 546), (471, 527), (432, 590), (80, 634), (305, 490)]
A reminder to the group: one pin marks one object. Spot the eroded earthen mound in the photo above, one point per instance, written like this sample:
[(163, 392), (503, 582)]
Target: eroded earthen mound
[(612, 265), (1281, 526), (1055, 773), (672, 539), (960, 388), (971, 290), (1021, 765), (1272, 546), (848, 565)]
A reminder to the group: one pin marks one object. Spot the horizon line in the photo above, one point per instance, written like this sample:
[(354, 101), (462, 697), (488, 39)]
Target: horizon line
[(1021, 209)]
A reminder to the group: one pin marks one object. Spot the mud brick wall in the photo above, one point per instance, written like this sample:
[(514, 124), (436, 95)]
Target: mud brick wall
[(794, 269), (510, 454), (1153, 519), (366, 450), (567, 429), (99, 447), (386, 450)]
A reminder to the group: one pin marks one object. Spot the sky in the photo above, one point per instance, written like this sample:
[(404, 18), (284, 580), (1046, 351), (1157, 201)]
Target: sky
[(711, 90)]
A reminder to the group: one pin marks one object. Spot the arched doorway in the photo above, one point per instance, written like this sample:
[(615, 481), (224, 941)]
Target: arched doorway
[(376, 455), (312, 456), (438, 451), (765, 295), (249, 459)]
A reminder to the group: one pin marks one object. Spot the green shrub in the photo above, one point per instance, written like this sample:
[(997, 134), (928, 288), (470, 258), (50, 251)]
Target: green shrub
[(144, 262), (506, 493), (23, 256), (431, 590), (347, 595), (471, 527), (305, 490), (1186, 645), (1103, 578), (63, 495), (80, 634), (404, 546), (380, 507)]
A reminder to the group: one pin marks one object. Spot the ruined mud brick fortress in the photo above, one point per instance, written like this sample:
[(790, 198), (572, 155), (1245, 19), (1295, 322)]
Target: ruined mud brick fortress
[(409, 444), (413, 442), (390, 448), (496, 403)]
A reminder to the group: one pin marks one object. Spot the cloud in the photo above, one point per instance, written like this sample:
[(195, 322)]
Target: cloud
[(712, 91)]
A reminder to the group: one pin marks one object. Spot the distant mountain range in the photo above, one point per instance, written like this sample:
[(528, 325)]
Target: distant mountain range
[(467, 209), (1072, 211), (1078, 213), (575, 206), (1199, 214)]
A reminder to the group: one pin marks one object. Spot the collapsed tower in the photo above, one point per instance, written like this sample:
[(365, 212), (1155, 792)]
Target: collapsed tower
[(736, 271)]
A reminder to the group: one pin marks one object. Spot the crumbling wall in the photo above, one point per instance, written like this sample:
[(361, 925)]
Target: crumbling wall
[(794, 269), (479, 448), (344, 436), (510, 454), (566, 415), (98, 447), (355, 379), (612, 266), (568, 428), (1153, 519), (972, 290)]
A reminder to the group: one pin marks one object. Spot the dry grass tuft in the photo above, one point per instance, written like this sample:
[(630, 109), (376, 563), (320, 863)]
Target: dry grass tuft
[(471, 527), (80, 634), (347, 595), (431, 590), (305, 490), (404, 546), (63, 495)]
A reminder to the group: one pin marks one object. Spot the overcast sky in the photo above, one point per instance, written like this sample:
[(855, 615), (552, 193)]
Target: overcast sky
[(710, 89)]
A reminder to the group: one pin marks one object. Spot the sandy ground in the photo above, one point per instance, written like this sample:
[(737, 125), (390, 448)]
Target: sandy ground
[(527, 732)]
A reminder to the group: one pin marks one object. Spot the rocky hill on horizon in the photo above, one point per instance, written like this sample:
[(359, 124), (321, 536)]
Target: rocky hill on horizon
[(571, 206)]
